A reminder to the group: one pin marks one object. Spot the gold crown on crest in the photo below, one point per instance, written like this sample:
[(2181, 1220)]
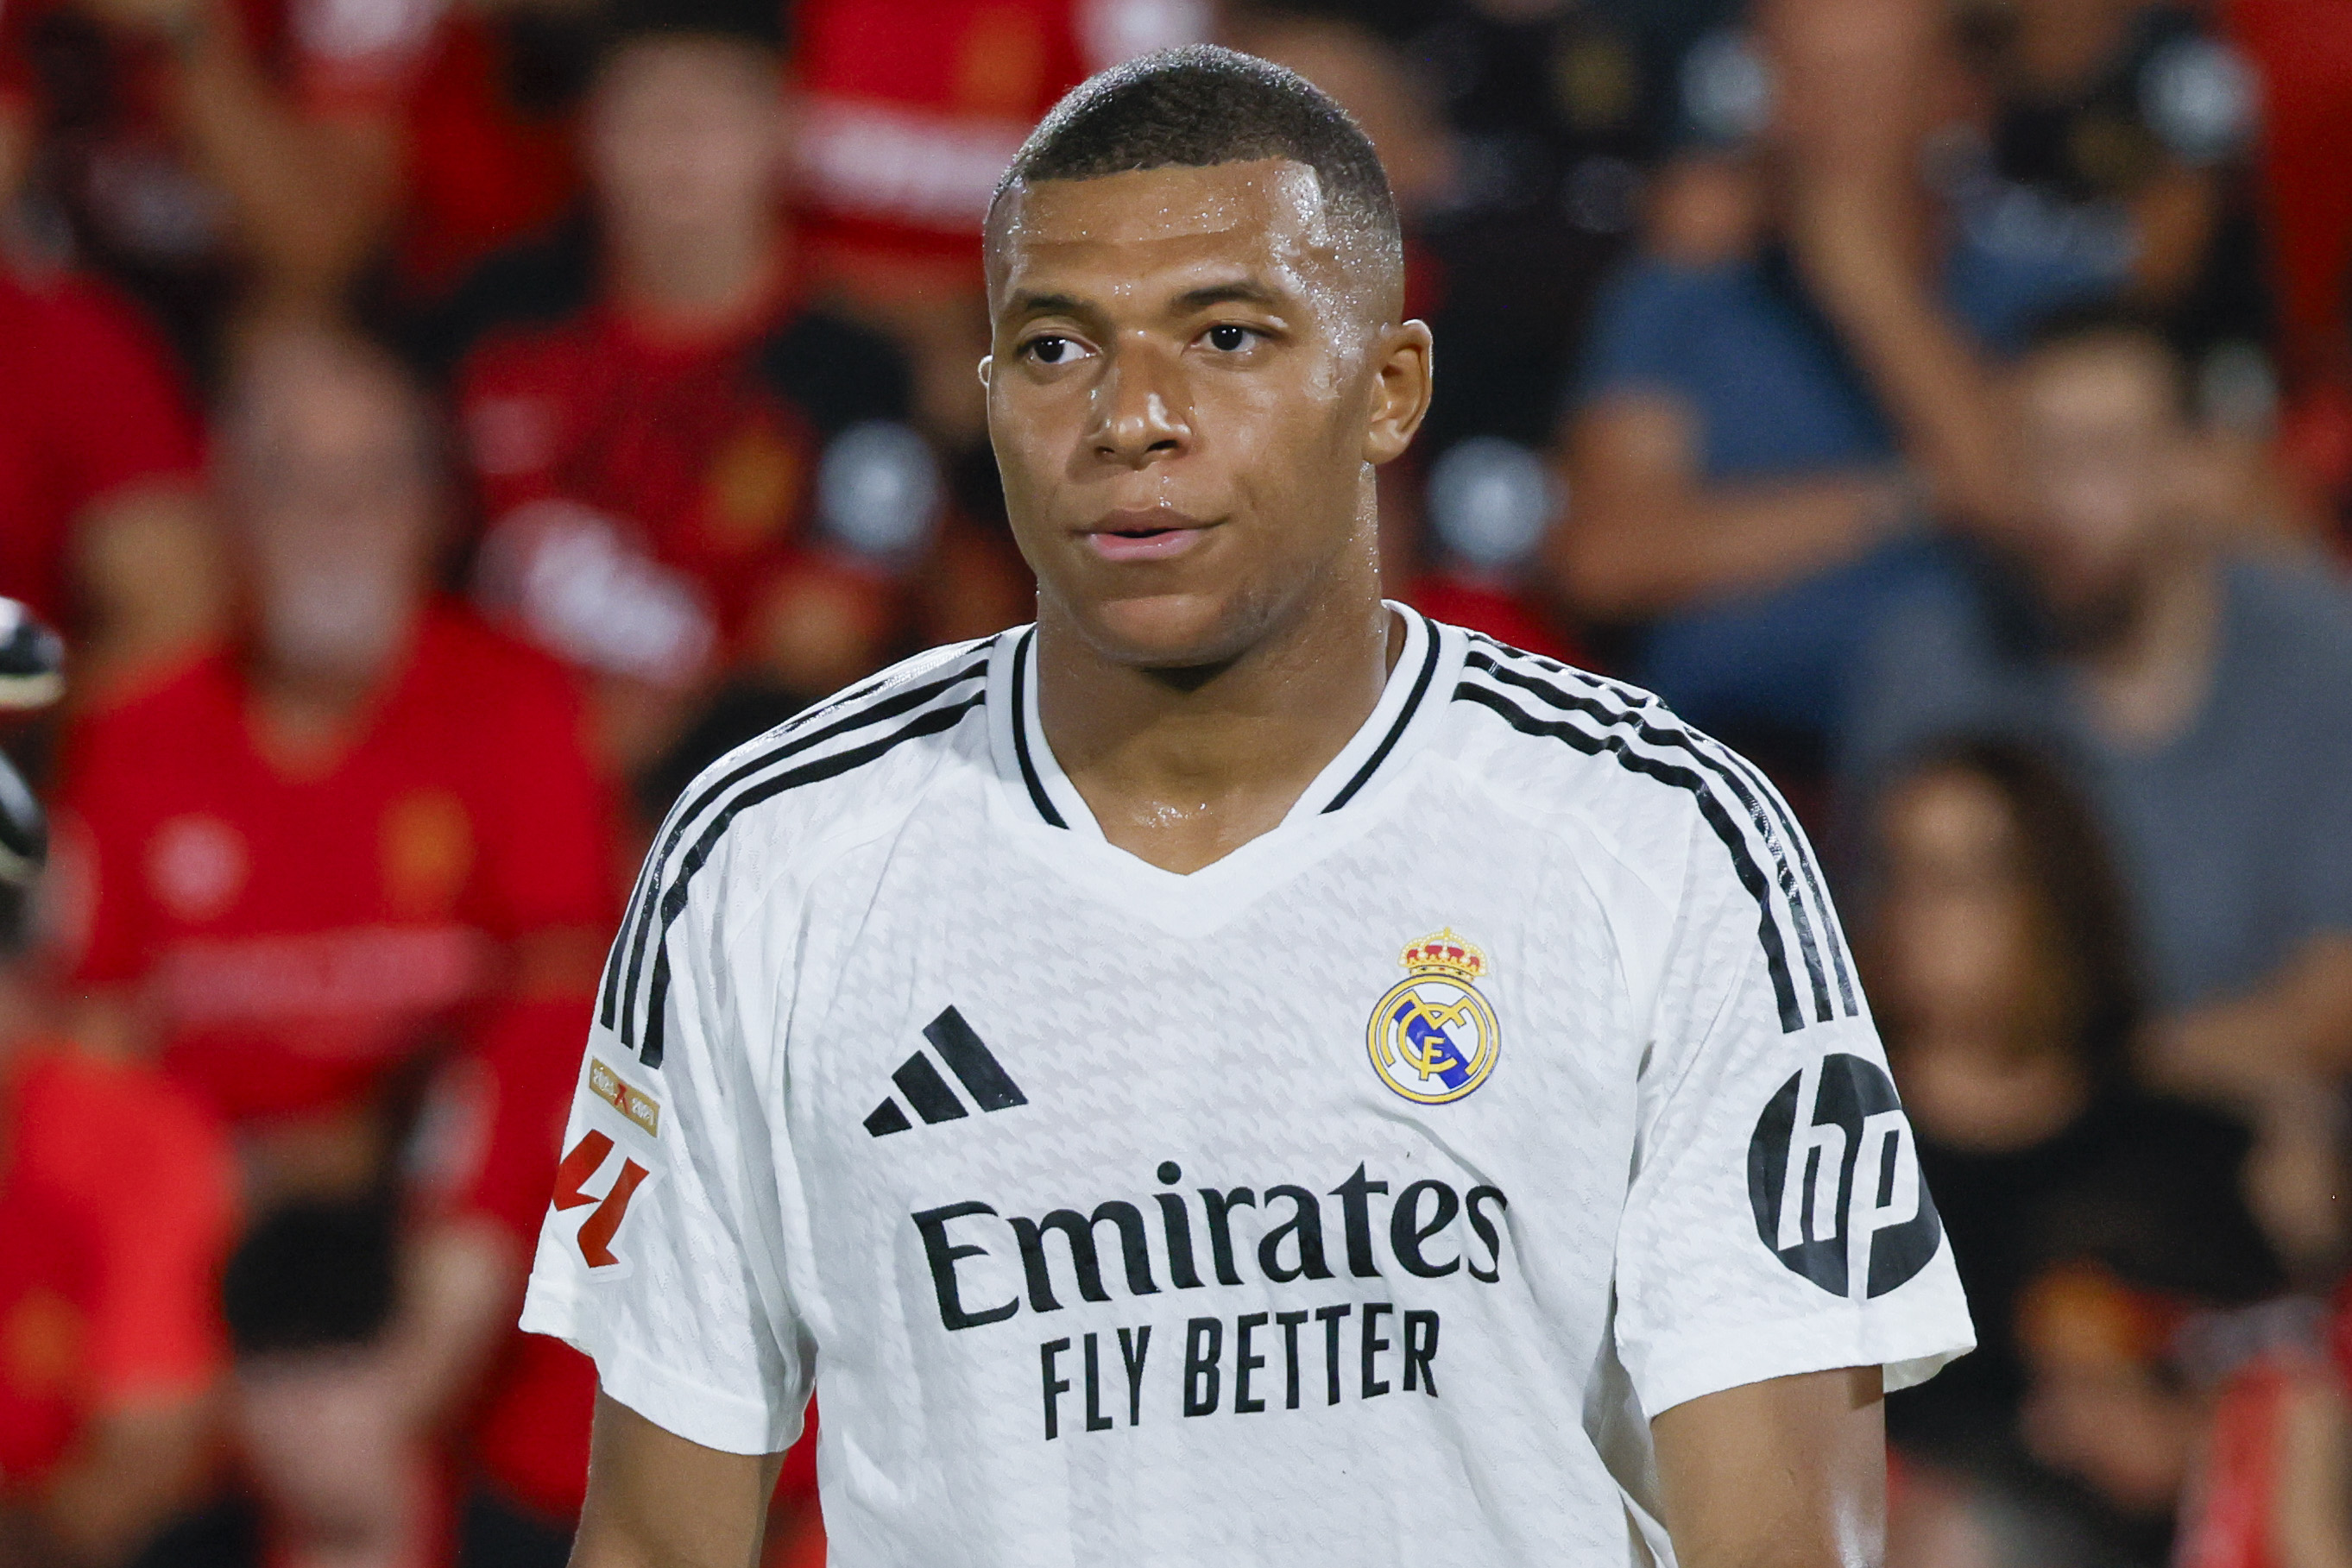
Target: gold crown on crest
[(1445, 954)]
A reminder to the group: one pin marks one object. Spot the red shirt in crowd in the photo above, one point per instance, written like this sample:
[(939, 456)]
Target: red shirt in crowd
[(90, 407), (914, 107), (298, 935), (117, 1198), (678, 452)]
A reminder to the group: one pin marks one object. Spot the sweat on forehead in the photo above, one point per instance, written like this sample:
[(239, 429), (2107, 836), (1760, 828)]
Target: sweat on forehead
[(1203, 106)]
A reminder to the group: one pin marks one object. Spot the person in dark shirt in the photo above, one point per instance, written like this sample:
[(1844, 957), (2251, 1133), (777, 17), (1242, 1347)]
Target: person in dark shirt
[(2002, 965)]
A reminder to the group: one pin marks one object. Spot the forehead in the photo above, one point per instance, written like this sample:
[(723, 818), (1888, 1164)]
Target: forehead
[(2099, 383), (1265, 217), (693, 71)]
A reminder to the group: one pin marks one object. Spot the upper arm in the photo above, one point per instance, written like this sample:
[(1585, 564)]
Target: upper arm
[(656, 1501), (663, 1256), (1790, 1471)]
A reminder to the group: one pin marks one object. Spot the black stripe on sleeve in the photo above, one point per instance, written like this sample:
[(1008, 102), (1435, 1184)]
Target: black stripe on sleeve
[(1679, 739), (1037, 796), (674, 897), (1396, 731), (1743, 865)]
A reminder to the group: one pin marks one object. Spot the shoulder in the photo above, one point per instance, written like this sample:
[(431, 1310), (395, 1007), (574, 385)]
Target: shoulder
[(1692, 823), (1596, 757), (524, 356), (766, 816), (2293, 602), (73, 308), (458, 648), (868, 752), (170, 716)]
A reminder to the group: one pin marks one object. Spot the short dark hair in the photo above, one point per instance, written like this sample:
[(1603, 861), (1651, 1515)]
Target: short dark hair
[(751, 23), (2107, 324), (1197, 106)]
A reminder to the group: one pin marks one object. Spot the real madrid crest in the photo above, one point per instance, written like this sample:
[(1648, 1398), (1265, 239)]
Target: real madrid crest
[(1432, 1038)]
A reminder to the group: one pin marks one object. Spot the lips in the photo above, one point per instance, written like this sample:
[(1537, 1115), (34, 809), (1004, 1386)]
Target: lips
[(1154, 535)]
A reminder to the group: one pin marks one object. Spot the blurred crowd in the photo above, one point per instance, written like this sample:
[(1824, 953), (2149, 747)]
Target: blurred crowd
[(439, 427)]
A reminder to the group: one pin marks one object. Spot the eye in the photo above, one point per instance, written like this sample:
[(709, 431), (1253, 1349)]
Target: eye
[(1228, 339), (1051, 351)]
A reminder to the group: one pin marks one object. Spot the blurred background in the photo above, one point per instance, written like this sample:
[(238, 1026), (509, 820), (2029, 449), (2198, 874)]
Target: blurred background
[(440, 426)]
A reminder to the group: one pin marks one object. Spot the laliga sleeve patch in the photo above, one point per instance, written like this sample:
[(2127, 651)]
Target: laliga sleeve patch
[(1834, 1177), (577, 1186)]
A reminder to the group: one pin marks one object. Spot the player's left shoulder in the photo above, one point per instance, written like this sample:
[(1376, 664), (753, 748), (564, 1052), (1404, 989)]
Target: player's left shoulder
[(1563, 742)]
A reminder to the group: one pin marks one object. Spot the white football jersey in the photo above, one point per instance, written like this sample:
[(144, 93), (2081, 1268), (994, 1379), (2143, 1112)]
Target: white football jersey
[(1356, 1199)]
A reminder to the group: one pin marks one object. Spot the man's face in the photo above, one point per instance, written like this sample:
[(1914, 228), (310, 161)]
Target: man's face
[(685, 134), (2103, 450), (1186, 395), (335, 498)]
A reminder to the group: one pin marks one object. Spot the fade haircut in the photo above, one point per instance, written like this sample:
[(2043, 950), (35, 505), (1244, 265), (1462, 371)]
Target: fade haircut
[(1199, 106)]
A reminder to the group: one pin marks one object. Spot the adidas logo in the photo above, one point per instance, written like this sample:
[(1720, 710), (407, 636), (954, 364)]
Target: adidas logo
[(975, 1067)]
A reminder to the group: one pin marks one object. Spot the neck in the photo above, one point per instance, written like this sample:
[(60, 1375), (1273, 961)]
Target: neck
[(1181, 770), (1982, 1091), (2147, 682), (685, 283), (304, 721)]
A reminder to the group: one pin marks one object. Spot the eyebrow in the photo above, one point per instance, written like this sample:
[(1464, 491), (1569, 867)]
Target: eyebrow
[(1239, 292), (1046, 305)]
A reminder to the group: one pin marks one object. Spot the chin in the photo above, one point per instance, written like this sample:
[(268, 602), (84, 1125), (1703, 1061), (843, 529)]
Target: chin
[(1169, 630)]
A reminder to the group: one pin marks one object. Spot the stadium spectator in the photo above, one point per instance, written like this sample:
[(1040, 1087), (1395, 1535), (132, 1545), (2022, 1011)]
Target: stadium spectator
[(2201, 700), (99, 465), (650, 465), (340, 1478), (2113, 1404), (911, 109), (1552, 112), (2001, 965), (213, 152), (119, 1196), (1774, 401), (377, 836), (2116, 137)]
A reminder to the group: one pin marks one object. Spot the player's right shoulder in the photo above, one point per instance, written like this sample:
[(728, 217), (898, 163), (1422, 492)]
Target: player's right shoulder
[(767, 813), (867, 751)]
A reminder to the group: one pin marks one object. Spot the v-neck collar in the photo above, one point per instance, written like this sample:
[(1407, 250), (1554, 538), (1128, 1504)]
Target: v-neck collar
[(1037, 791)]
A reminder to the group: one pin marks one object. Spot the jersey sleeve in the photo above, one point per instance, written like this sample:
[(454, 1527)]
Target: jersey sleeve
[(1777, 1221), (661, 1253)]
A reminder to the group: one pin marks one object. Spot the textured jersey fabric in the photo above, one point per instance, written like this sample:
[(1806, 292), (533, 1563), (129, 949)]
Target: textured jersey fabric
[(1354, 1199)]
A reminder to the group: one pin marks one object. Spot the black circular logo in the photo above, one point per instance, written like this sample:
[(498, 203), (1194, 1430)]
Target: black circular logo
[(1834, 1177)]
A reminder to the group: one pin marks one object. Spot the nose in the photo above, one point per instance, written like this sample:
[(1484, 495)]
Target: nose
[(1140, 415)]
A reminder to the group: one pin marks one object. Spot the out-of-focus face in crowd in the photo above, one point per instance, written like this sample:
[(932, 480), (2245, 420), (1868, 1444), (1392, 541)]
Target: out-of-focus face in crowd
[(1959, 925), (331, 481), (686, 135), (2105, 452)]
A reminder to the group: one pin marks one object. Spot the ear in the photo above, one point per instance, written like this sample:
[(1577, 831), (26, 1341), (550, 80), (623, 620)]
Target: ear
[(1404, 380)]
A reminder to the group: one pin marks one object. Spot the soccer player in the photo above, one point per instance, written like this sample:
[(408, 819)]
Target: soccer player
[(1237, 1071)]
